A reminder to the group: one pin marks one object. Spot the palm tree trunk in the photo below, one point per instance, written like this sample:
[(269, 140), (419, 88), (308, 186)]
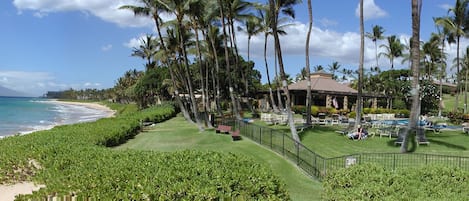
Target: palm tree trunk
[(457, 76), (187, 75), (216, 77), (358, 116), (173, 79), (308, 71), (271, 95), (279, 85), (415, 110), (202, 83), (376, 53), (249, 47), (465, 92), (282, 73), (228, 67)]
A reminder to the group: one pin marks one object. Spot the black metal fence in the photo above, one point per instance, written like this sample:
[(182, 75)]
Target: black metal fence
[(317, 166)]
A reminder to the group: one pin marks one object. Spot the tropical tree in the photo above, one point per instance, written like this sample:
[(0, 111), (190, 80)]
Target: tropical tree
[(445, 36), (146, 50), (318, 68), (376, 35), (334, 68), (265, 16), (252, 27), (359, 107), (415, 49), (307, 68), (286, 7), (431, 55), (234, 104), (457, 24), (465, 69), (394, 49), (153, 9)]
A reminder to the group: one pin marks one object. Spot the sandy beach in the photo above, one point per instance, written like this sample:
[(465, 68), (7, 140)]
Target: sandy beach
[(91, 105), (8, 192)]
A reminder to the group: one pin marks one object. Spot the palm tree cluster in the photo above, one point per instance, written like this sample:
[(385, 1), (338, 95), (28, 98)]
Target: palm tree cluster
[(198, 49)]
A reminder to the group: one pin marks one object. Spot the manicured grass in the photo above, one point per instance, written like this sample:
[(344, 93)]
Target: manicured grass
[(450, 101), (177, 134), (326, 142)]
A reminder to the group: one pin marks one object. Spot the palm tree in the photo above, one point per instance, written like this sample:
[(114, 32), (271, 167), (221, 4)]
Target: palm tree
[(197, 22), (457, 25), (146, 50), (307, 68), (154, 9), (415, 49), (178, 8), (376, 35), (252, 26), (234, 105), (286, 7), (445, 35), (465, 65), (265, 16), (333, 68), (431, 55), (318, 68), (394, 49), (360, 69)]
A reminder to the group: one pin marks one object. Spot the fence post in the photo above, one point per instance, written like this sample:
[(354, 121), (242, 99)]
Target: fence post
[(260, 135), (297, 153), (271, 146), (283, 144)]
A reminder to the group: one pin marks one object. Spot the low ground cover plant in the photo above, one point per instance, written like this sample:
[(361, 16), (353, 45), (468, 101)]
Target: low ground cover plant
[(76, 161), (371, 182)]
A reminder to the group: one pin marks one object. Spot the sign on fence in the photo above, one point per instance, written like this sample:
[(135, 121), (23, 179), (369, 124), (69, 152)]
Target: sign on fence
[(350, 161)]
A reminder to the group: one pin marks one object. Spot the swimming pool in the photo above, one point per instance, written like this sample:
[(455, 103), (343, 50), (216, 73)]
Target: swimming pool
[(404, 122)]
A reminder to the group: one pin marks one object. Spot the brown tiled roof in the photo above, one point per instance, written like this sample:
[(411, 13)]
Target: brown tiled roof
[(324, 84)]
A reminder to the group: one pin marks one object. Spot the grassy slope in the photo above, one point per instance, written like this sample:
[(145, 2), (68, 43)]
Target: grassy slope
[(450, 101), (177, 134)]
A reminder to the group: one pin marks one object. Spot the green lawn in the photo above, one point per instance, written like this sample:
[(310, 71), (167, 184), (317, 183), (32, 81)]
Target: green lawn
[(177, 134), (450, 101), (326, 142)]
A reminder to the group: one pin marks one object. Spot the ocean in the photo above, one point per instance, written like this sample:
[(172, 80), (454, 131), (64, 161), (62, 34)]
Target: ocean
[(26, 115)]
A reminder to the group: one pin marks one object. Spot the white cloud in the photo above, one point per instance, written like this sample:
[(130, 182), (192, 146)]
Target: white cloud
[(370, 10), (38, 83), (327, 22), (325, 43), (106, 48), (133, 42), (107, 10), (446, 7)]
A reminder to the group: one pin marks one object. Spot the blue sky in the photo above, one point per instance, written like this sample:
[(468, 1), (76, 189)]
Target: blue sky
[(59, 44)]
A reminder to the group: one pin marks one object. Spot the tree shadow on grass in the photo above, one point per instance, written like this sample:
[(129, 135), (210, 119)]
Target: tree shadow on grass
[(448, 145), (391, 143)]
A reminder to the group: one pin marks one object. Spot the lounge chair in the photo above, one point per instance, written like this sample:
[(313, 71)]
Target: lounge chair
[(346, 130)]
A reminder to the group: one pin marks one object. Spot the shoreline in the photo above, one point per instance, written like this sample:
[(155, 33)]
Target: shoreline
[(91, 105), (9, 191), (102, 111)]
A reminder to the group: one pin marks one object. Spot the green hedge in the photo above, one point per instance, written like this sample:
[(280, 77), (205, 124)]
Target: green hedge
[(74, 160), (370, 182)]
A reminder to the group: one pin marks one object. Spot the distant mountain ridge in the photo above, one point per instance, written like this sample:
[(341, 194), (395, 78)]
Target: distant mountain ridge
[(12, 93)]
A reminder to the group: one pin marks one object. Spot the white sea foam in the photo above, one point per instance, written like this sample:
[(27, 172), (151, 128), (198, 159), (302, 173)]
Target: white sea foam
[(60, 113)]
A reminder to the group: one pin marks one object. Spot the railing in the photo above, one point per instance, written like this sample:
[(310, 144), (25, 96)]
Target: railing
[(318, 166)]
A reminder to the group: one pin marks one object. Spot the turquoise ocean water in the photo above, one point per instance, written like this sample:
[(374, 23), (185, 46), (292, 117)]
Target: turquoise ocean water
[(25, 115)]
